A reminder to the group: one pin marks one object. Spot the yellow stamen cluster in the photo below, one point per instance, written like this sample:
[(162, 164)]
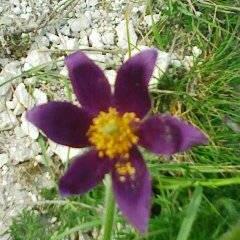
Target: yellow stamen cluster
[(125, 169), (112, 133)]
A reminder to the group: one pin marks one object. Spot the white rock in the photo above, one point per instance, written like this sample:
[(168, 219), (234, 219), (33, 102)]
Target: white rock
[(42, 41), (7, 120), (64, 71), (163, 61), (2, 104), (31, 80), (53, 38), (23, 96), (5, 88), (188, 62), (111, 76), (3, 159), (12, 69), (36, 58), (91, 3), (150, 20), (65, 30), (28, 128), (39, 96), (79, 24), (108, 38), (19, 109), (98, 57), (176, 63), (23, 149), (196, 51), (63, 152), (122, 34), (95, 39), (83, 40), (19, 132), (12, 104), (68, 43)]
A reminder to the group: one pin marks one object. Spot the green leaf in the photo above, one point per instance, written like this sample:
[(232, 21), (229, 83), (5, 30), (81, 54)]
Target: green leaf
[(191, 213)]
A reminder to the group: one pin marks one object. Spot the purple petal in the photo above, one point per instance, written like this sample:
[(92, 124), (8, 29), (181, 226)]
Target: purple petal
[(134, 194), (131, 87), (169, 135), (62, 122), (85, 172), (89, 82)]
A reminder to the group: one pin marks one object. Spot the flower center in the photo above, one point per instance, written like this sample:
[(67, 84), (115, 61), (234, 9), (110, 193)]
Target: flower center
[(113, 134)]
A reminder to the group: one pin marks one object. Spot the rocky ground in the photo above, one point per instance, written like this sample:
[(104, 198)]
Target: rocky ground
[(34, 37)]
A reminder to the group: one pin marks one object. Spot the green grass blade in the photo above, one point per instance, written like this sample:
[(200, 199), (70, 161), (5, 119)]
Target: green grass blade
[(190, 214)]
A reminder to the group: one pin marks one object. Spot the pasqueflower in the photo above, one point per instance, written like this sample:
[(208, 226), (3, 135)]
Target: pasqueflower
[(113, 125)]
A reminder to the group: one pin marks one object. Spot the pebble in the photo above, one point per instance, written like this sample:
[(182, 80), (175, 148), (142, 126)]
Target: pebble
[(36, 58), (3, 159), (39, 96), (122, 34), (196, 51), (79, 24), (28, 128), (95, 39), (7, 120), (108, 38), (63, 152), (23, 96)]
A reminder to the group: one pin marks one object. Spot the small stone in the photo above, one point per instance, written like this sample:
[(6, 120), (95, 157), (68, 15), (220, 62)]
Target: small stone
[(68, 43), (3, 159), (19, 109), (64, 71), (7, 120), (2, 104), (39, 96), (91, 3), (28, 128), (42, 41), (53, 38), (63, 152), (79, 24), (108, 38), (5, 88), (19, 132), (196, 51), (163, 61), (31, 80), (111, 76), (23, 149), (188, 62), (122, 34), (95, 39), (23, 96), (83, 41), (65, 30), (36, 58), (12, 69), (151, 19), (12, 104)]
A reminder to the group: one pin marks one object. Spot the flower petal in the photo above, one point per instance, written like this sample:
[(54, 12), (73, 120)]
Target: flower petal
[(131, 87), (89, 82), (169, 135), (62, 122), (85, 172), (133, 195)]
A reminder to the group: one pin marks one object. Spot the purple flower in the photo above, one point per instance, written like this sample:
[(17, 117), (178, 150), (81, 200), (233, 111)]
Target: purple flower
[(113, 124)]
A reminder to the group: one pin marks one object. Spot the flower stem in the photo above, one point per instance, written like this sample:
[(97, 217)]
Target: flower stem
[(109, 210)]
